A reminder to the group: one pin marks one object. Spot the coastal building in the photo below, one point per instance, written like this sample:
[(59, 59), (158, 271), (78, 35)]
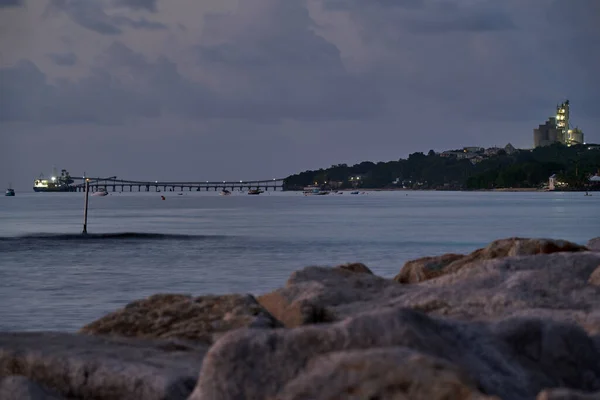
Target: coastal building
[(492, 151), (552, 182), (557, 129)]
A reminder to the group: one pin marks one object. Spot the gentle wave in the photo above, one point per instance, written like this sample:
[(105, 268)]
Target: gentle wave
[(105, 236)]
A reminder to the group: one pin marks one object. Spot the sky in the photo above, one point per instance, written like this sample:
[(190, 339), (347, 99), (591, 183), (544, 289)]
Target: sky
[(261, 89)]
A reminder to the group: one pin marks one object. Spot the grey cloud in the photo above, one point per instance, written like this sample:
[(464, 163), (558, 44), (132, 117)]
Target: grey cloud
[(478, 60), (426, 16), (282, 66), (10, 3), (63, 59), (99, 98), (467, 20), (141, 23), (268, 71), (361, 4), (91, 15), (148, 5)]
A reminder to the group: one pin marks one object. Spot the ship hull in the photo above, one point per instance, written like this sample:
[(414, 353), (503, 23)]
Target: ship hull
[(59, 189)]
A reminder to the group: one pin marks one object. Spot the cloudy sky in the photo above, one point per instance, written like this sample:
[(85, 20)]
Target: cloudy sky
[(249, 89)]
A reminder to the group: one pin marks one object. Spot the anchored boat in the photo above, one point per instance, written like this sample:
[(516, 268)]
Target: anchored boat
[(10, 191), (314, 190), (100, 192)]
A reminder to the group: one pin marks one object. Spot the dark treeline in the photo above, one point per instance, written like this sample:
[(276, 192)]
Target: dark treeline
[(521, 169)]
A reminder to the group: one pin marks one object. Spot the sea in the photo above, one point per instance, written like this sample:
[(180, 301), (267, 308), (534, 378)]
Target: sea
[(198, 243)]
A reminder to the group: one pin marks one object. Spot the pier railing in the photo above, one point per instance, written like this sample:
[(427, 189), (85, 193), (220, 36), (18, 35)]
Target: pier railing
[(124, 185)]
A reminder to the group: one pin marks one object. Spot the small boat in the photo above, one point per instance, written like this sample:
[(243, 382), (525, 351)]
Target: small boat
[(10, 192), (314, 190), (355, 192), (225, 192), (255, 191), (100, 192)]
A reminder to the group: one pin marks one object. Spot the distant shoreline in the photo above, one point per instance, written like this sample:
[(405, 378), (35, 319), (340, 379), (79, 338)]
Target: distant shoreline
[(512, 190)]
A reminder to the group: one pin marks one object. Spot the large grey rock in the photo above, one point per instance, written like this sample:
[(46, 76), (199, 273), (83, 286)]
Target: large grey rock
[(88, 367), (427, 268), (594, 244), (567, 394), (311, 294), (20, 388), (557, 286), (513, 359), (380, 373), (202, 318)]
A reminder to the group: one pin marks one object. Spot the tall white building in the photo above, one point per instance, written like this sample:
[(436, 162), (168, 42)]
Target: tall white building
[(557, 129)]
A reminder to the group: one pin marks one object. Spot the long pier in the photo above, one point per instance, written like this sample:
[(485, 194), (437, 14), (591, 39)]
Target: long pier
[(146, 186)]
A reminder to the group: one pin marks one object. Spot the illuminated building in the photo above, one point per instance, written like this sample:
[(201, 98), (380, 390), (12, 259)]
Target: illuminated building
[(557, 129)]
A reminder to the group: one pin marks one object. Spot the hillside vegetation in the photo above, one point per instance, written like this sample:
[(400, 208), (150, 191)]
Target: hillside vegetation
[(521, 169)]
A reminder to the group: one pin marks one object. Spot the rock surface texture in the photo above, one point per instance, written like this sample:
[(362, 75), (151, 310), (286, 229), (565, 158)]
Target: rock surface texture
[(201, 318), (87, 367), (431, 267), (401, 353), (516, 320), (20, 388), (594, 244)]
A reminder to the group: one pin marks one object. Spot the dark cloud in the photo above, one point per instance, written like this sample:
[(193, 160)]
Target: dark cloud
[(63, 59), (10, 3), (266, 62), (362, 4), (427, 16), (575, 47), (485, 60), (277, 65), (148, 5), (91, 15), (28, 96), (265, 72), (470, 20)]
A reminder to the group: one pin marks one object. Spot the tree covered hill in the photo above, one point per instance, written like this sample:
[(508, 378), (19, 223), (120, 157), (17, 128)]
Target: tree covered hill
[(452, 171)]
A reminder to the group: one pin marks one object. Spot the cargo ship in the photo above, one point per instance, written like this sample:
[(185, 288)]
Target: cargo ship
[(56, 183)]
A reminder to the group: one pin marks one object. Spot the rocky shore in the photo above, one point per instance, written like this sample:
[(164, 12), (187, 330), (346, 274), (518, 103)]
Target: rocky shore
[(519, 319)]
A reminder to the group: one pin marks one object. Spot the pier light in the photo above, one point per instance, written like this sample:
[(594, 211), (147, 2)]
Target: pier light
[(241, 181)]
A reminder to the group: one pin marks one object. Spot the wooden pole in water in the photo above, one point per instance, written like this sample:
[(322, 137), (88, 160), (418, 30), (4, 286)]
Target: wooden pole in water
[(85, 209)]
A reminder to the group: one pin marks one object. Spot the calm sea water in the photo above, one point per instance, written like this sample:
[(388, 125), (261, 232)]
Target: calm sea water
[(52, 278)]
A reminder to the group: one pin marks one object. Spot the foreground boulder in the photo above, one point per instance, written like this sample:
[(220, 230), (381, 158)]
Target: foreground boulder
[(594, 244), (201, 318), (561, 286), (400, 353), (427, 268), (88, 367), (381, 373), (20, 388), (567, 394), (311, 293), (358, 268)]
